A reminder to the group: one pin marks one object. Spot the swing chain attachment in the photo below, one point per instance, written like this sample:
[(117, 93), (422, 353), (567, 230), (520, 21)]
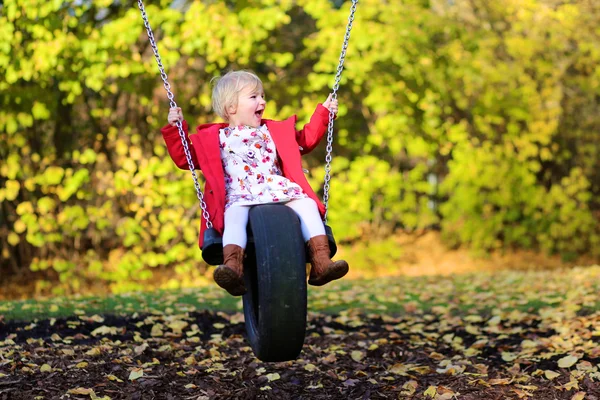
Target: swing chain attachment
[(336, 86), (172, 103)]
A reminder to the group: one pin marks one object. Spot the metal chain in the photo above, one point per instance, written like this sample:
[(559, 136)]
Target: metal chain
[(182, 135), (336, 86)]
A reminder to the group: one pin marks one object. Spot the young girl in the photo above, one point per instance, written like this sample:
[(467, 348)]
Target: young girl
[(249, 160)]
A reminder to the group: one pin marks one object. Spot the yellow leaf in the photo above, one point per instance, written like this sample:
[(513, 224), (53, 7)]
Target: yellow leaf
[(114, 378), (12, 189), (585, 366), (273, 377), (219, 325), (156, 330), (503, 381), (310, 367), (105, 330), (357, 355), (46, 368), (94, 352), (136, 373), (431, 391), (578, 396), (409, 388), (567, 361), (13, 239), (508, 357), (177, 326), (551, 374), (422, 370), (399, 369), (19, 226), (141, 348), (522, 394), (572, 384), (82, 364), (96, 318), (190, 360), (83, 391)]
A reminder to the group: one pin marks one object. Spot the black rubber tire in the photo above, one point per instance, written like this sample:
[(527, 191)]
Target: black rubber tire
[(275, 277)]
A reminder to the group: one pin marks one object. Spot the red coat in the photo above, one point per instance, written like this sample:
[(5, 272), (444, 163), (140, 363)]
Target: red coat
[(206, 155)]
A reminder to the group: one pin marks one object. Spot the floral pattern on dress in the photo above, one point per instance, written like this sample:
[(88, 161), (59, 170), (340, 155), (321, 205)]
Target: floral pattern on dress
[(252, 172)]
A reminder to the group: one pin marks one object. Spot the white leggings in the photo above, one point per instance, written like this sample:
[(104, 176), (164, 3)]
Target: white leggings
[(236, 219)]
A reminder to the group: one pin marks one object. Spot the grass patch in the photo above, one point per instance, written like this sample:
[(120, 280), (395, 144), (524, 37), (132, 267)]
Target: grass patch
[(484, 294)]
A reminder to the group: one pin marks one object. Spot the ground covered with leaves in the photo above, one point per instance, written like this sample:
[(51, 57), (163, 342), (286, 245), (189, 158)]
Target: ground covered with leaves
[(509, 335)]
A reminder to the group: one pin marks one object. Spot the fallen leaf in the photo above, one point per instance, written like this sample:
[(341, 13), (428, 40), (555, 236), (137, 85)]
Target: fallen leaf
[(114, 378), (502, 381), (273, 377), (105, 330), (141, 348), (46, 368), (83, 391), (522, 394), (94, 352), (567, 362), (431, 391), (399, 369), (136, 373), (310, 367), (357, 355), (551, 374), (409, 388)]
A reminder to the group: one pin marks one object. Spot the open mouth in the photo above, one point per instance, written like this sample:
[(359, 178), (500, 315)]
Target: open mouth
[(259, 113)]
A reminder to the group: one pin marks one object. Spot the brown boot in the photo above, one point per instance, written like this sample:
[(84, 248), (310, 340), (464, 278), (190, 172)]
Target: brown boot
[(230, 274), (323, 269)]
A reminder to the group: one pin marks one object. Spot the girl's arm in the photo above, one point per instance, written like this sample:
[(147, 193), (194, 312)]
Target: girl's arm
[(311, 134), (172, 139)]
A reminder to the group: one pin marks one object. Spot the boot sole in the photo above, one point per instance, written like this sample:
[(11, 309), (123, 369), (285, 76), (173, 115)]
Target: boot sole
[(337, 272), (228, 280)]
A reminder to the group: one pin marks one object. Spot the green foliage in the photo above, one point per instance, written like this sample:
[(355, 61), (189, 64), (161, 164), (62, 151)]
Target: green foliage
[(496, 101)]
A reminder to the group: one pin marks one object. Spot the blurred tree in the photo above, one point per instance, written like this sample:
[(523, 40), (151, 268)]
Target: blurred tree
[(487, 109)]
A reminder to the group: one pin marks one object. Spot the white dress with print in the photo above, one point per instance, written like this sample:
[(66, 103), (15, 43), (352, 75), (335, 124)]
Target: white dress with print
[(252, 173)]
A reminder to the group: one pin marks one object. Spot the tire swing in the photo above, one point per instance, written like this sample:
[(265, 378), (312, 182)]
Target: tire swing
[(275, 303)]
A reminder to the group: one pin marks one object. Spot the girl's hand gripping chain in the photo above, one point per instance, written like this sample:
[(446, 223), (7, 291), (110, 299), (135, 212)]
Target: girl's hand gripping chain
[(331, 104), (175, 115)]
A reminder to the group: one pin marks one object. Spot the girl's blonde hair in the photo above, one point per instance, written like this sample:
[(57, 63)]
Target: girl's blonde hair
[(227, 87)]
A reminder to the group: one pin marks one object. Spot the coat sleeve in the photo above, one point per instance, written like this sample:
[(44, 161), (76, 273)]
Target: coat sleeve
[(311, 134), (175, 146)]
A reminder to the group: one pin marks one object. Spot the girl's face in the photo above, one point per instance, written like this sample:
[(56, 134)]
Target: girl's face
[(250, 107)]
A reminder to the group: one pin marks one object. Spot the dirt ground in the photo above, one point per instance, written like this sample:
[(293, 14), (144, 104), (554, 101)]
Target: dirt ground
[(205, 356)]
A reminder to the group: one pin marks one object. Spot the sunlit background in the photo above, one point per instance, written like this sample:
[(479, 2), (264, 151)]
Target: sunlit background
[(468, 137)]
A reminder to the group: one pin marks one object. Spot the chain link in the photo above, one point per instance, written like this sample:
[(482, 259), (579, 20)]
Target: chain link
[(336, 85), (172, 103)]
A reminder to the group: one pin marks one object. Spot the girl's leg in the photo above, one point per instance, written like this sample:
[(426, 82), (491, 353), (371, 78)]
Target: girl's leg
[(236, 220), (310, 219), (229, 275), (323, 269)]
